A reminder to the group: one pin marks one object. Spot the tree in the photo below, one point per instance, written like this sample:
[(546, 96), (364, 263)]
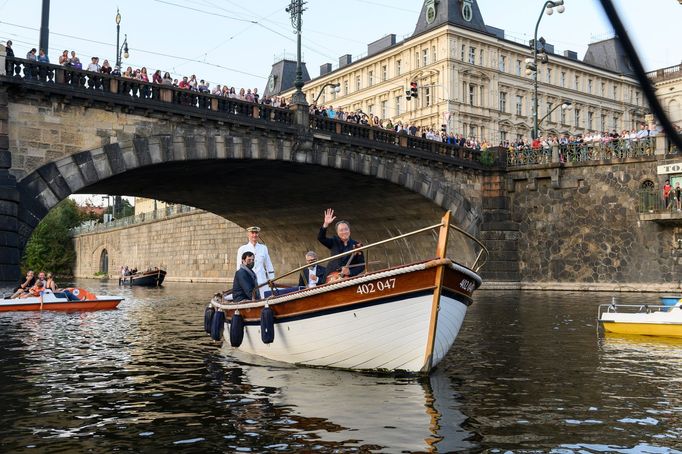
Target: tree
[(50, 248)]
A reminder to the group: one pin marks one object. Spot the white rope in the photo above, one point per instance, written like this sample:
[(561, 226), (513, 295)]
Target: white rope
[(324, 289)]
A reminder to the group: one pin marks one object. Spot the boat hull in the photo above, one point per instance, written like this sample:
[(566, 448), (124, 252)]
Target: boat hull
[(667, 321), (403, 322), (34, 305)]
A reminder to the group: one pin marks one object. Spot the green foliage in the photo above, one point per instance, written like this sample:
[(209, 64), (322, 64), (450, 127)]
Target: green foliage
[(50, 248), (487, 158)]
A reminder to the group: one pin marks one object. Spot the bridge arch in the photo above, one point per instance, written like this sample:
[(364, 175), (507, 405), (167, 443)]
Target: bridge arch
[(269, 181)]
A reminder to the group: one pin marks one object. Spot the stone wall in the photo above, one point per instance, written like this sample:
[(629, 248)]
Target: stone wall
[(191, 247), (579, 225)]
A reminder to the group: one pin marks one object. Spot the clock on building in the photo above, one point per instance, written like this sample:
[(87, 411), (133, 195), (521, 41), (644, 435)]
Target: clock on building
[(430, 11), (467, 10), (271, 83)]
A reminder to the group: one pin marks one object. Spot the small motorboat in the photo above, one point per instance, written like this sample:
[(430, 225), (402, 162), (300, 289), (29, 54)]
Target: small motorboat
[(643, 319), (69, 299), (150, 278), (402, 318)]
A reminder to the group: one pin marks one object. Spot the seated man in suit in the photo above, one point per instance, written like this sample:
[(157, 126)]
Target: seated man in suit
[(245, 285), (313, 275)]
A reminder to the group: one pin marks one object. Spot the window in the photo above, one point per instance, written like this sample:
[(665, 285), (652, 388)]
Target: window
[(345, 87), (563, 116), (519, 105), (518, 67), (562, 80), (637, 98), (590, 117), (370, 79), (503, 136), (614, 125), (503, 63), (370, 109), (398, 100), (357, 81), (549, 75), (589, 85), (425, 56), (480, 57), (397, 67), (384, 109), (603, 88), (549, 109), (463, 50), (384, 72), (472, 94), (615, 91), (472, 55), (427, 96), (577, 118), (576, 83), (602, 123), (433, 54), (503, 101), (472, 130), (416, 59)]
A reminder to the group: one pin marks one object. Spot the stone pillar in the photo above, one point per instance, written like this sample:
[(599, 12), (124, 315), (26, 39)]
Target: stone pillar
[(555, 153), (9, 200)]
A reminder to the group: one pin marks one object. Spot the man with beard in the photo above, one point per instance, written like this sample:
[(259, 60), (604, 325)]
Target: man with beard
[(245, 285)]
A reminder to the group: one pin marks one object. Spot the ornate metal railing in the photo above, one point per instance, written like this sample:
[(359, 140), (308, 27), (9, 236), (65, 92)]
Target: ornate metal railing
[(168, 211), (360, 131), (136, 90), (582, 152)]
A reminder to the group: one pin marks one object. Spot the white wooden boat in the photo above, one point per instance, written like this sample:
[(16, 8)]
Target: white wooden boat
[(403, 318), (73, 299), (642, 319)]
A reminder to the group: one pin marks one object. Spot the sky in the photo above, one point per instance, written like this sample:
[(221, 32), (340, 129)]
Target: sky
[(235, 42)]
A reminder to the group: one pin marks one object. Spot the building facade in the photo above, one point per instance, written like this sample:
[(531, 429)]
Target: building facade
[(471, 80)]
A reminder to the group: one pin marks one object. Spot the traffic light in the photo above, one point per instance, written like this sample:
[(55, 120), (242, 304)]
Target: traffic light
[(413, 89), (408, 94), (443, 127)]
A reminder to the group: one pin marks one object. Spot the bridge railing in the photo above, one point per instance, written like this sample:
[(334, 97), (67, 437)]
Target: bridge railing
[(136, 90), (582, 152), (344, 128), (168, 211)]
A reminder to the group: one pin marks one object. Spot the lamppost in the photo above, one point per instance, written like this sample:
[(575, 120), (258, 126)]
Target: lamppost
[(335, 89), (295, 8), (532, 66), (124, 47)]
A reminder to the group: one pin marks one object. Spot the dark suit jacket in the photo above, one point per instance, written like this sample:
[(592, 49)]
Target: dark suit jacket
[(320, 272), (244, 284)]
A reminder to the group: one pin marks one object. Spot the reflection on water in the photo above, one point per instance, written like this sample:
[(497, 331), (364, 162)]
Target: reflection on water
[(528, 372)]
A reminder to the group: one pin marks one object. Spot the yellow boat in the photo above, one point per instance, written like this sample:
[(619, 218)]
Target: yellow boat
[(642, 319)]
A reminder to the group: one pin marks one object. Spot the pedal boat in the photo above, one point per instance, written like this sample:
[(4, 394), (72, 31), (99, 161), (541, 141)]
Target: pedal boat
[(74, 299), (642, 319)]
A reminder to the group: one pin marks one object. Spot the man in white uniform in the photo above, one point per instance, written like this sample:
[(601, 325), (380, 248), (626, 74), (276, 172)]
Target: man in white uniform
[(263, 265)]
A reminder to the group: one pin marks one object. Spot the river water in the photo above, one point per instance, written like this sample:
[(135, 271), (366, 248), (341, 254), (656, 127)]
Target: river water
[(529, 373)]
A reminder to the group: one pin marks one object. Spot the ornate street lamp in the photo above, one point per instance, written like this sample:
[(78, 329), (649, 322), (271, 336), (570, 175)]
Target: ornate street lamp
[(124, 47), (532, 66), (335, 88), (295, 8)]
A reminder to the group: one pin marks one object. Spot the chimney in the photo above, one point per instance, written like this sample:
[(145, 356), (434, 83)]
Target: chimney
[(573, 55), (345, 60), (326, 68)]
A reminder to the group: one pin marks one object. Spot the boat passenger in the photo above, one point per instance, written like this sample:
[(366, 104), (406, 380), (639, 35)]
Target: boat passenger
[(263, 267), (25, 284), (347, 266), (36, 290), (245, 282), (313, 275), (51, 284)]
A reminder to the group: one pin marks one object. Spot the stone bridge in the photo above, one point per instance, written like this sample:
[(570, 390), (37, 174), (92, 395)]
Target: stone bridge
[(66, 131)]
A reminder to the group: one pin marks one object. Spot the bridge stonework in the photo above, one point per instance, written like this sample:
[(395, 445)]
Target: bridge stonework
[(273, 173)]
